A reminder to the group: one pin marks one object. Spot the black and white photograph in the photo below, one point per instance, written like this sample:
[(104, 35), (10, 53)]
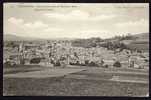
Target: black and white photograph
[(76, 49)]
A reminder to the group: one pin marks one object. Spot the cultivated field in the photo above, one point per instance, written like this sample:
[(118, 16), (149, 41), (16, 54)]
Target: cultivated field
[(74, 81)]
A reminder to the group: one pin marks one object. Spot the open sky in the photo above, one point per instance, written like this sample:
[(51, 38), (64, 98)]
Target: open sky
[(56, 20)]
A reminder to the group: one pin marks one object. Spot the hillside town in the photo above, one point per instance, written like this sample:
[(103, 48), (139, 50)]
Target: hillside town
[(62, 53), (76, 49)]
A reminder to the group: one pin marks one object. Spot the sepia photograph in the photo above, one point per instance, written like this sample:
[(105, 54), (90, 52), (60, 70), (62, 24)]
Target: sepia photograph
[(76, 49)]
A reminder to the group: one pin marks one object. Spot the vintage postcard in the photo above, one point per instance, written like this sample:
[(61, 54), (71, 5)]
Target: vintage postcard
[(76, 49)]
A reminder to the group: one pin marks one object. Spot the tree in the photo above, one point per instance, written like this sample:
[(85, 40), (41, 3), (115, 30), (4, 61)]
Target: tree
[(35, 60), (117, 64)]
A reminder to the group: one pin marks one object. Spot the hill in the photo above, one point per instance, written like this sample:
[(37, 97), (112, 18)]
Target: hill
[(137, 41), (143, 36), (141, 42), (10, 37)]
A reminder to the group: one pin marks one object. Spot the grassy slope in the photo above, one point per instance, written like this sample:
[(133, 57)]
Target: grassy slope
[(70, 86), (141, 42)]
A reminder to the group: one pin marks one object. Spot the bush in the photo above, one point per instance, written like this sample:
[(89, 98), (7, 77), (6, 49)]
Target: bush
[(9, 64), (86, 62), (106, 66), (71, 63), (117, 64), (35, 61), (77, 63), (92, 64)]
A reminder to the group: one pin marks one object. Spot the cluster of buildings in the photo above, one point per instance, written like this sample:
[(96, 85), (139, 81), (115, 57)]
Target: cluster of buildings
[(64, 53)]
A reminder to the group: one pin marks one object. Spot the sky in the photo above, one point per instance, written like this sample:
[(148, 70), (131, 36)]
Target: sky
[(60, 20)]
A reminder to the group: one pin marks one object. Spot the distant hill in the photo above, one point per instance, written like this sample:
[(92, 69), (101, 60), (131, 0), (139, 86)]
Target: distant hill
[(137, 41), (142, 36), (10, 37)]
